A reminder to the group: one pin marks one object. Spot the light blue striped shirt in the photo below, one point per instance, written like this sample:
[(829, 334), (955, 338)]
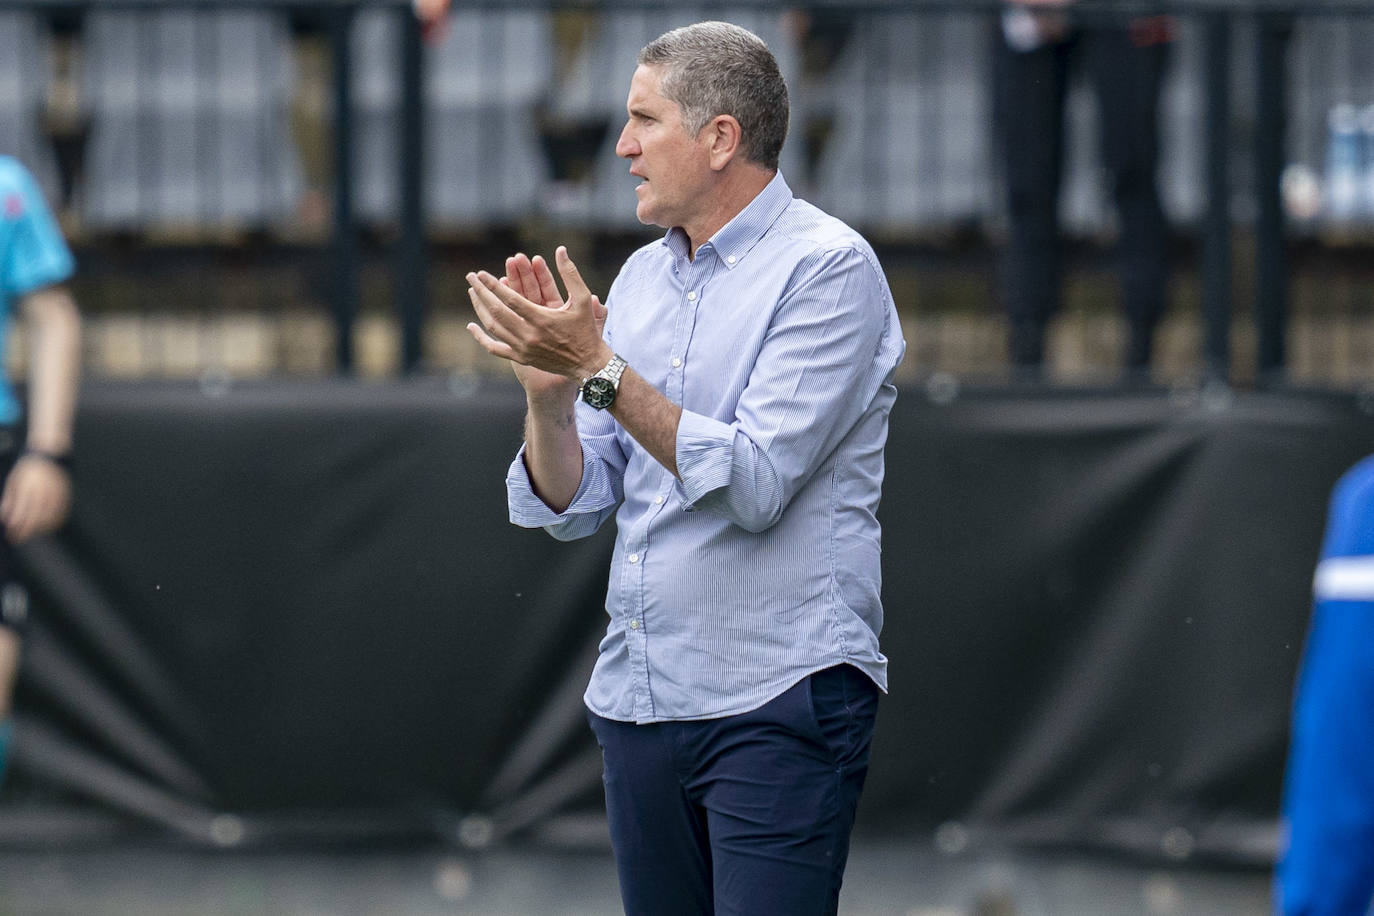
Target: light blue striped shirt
[(761, 565)]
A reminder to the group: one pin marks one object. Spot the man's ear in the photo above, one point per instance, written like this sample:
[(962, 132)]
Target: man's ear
[(724, 136)]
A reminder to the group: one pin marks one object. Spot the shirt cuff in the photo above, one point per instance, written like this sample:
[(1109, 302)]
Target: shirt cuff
[(705, 456), (529, 511)]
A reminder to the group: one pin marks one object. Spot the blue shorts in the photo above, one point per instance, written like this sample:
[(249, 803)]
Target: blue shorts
[(747, 814)]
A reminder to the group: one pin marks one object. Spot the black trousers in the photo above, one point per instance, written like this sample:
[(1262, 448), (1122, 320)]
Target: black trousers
[(1030, 93)]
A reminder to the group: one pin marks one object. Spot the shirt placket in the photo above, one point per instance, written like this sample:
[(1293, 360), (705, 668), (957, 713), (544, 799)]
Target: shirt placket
[(634, 572)]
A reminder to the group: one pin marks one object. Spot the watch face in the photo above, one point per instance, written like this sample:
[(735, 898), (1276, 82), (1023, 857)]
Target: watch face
[(598, 392)]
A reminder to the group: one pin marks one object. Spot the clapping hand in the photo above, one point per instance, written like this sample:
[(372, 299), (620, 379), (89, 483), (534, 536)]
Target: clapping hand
[(552, 343)]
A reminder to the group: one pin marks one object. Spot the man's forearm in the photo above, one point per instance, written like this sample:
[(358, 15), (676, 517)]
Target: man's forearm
[(649, 417), (553, 452)]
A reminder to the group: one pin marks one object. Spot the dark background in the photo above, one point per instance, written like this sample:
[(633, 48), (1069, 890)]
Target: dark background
[(297, 611)]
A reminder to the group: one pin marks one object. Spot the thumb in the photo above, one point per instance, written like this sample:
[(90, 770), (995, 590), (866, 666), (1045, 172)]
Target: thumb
[(572, 277), (599, 313)]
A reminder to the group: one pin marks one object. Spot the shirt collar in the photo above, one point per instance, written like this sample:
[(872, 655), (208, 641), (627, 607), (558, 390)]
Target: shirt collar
[(736, 238)]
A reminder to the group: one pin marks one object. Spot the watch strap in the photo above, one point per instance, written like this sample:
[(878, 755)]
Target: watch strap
[(613, 370), (608, 376), (61, 459)]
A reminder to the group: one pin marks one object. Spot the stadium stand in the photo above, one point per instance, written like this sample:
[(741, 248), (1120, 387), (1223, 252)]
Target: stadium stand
[(483, 162), (911, 133), (189, 126), (25, 72)]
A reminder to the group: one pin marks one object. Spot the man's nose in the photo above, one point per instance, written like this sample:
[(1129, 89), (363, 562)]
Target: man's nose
[(626, 146)]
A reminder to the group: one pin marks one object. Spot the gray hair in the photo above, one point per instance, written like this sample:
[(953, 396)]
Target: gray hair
[(715, 68)]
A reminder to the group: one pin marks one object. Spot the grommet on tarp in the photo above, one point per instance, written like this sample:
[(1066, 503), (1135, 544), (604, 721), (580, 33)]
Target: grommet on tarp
[(476, 831), (942, 388)]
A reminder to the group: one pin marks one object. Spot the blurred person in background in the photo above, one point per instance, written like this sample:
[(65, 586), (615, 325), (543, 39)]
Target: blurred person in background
[(433, 16), (1043, 43), (1327, 865), (732, 418), (34, 455)]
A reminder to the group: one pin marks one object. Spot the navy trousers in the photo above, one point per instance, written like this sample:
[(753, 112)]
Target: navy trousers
[(747, 814)]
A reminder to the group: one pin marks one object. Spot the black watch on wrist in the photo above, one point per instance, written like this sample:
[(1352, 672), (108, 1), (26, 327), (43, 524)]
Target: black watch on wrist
[(599, 391), (61, 459)]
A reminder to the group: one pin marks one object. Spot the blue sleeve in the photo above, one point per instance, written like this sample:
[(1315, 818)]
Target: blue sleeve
[(36, 256), (598, 495), (813, 379), (1328, 807)]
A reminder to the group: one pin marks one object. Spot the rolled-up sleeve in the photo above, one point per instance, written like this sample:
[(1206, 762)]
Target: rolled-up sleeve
[(827, 351), (598, 494)]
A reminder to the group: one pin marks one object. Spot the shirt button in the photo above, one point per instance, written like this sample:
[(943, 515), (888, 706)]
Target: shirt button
[(634, 558), (658, 500), (692, 296), (730, 260), (634, 624), (676, 362)]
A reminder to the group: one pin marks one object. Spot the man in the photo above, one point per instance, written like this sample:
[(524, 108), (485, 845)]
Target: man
[(1328, 804), (732, 418), (34, 262), (1043, 41)]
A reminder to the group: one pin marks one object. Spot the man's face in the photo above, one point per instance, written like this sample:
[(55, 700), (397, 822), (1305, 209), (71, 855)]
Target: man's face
[(674, 165)]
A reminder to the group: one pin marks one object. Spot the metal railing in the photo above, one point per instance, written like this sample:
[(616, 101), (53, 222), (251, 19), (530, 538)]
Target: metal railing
[(409, 208)]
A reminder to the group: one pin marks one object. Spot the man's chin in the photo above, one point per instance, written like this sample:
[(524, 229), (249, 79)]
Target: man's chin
[(645, 214)]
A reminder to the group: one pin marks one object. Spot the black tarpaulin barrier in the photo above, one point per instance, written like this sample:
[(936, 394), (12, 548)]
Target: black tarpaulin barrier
[(297, 612)]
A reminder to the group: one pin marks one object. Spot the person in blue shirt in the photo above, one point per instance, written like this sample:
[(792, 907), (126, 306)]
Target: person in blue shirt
[(731, 415), (1327, 866), (34, 266)]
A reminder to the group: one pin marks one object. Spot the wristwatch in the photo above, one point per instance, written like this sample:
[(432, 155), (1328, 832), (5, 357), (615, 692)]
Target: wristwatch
[(599, 390)]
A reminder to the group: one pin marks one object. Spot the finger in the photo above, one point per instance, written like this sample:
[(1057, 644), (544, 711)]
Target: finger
[(479, 305), (19, 522), (485, 308), (492, 346), (572, 277), (547, 287), (498, 295), (497, 304), (599, 315), (30, 522), (28, 519), (533, 290), (518, 267), (512, 277)]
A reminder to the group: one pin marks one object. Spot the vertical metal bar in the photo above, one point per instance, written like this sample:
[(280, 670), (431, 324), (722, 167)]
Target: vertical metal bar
[(1271, 269), (1216, 239), (344, 256), (411, 257)]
